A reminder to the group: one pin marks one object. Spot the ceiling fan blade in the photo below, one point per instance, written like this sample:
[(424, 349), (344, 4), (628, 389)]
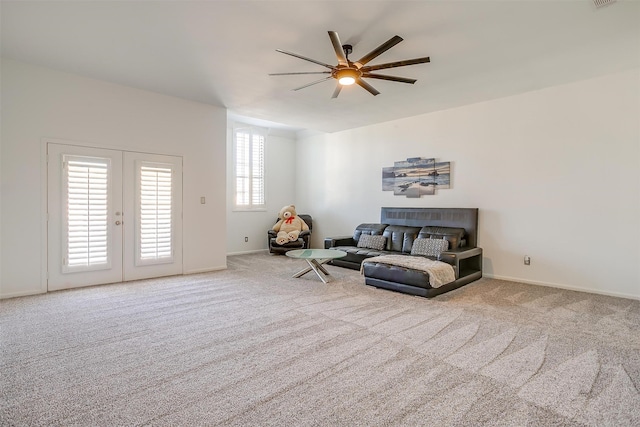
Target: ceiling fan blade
[(305, 58), (378, 51), (337, 46), (300, 72), (313, 83), (390, 78), (396, 64), (368, 87), (337, 91)]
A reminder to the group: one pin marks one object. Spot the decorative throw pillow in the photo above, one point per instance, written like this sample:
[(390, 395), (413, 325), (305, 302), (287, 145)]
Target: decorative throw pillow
[(372, 242), (429, 247)]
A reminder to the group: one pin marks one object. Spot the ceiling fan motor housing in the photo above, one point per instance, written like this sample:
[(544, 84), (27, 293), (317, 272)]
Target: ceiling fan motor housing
[(350, 73)]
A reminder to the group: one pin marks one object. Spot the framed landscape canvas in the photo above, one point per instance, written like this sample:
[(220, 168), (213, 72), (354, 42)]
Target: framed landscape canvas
[(416, 176)]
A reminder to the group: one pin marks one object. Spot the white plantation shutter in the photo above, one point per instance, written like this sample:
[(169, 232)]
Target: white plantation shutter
[(86, 223), (249, 169), (257, 170), (155, 214), (242, 163)]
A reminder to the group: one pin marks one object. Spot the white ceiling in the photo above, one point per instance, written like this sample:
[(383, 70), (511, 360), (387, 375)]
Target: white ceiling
[(220, 52)]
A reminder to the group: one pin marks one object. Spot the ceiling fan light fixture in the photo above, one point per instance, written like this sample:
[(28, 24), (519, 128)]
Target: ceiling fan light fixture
[(346, 81), (347, 76)]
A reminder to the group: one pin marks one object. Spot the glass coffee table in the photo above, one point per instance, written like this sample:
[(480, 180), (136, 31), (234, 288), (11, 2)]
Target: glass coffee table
[(315, 258)]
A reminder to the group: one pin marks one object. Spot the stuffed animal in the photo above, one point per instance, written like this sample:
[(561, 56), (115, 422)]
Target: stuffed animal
[(289, 225)]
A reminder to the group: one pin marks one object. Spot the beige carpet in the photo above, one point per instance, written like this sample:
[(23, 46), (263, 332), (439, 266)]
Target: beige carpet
[(251, 346)]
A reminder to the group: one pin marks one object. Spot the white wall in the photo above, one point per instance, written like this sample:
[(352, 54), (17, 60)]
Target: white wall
[(42, 103), (555, 174), (280, 169)]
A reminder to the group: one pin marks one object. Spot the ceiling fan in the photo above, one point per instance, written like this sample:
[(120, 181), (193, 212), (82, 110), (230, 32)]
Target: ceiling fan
[(348, 72)]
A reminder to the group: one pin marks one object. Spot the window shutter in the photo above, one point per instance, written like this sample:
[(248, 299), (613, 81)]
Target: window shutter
[(249, 165), (86, 222), (155, 220), (257, 171), (243, 152)]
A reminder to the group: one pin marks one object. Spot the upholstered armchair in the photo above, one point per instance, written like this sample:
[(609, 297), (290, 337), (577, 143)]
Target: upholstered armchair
[(301, 243)]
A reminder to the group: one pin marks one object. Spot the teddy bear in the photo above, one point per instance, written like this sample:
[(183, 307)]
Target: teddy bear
[(289, 225)]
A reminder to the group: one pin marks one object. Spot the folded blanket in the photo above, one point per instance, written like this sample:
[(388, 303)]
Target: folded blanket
[(440, 273)]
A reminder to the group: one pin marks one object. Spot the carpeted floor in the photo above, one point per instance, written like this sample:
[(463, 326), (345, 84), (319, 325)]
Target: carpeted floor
[(251, 346)]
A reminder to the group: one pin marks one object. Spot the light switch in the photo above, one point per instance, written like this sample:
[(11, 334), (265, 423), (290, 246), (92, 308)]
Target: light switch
[(202, 200)]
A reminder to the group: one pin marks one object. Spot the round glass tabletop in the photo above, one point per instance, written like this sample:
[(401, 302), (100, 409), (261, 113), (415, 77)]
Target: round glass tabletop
[(316, 254)]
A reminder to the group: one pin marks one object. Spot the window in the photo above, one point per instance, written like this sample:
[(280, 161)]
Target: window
[(85, 224), (249, 169), (154, 237)]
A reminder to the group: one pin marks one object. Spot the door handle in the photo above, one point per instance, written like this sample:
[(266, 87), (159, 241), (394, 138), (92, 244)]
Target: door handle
[(118, 223)]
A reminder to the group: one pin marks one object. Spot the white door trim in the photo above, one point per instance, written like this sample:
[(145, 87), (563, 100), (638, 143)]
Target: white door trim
[(44, 142)]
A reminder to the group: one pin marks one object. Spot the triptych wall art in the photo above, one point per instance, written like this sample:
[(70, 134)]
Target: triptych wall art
[(416, 177)]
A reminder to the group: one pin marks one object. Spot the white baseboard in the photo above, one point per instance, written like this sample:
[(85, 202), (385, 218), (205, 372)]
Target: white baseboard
[(255, 251), (206, 270), (562, 286), (21, 294)]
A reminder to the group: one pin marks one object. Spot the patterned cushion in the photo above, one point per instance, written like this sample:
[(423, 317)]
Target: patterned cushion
[(372, 242), (429, 247)]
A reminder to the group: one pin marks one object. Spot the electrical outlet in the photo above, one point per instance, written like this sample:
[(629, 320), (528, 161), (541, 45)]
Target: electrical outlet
[(527, 260), (246, 239)]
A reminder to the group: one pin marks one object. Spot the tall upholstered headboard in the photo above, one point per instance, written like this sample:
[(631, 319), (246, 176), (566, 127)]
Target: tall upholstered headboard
[(466, 218)]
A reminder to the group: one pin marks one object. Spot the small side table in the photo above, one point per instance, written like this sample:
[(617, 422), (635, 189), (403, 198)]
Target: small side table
[(315, 258)]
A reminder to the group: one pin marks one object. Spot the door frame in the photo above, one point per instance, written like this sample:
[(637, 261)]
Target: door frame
[(44, 195), (60, 274)]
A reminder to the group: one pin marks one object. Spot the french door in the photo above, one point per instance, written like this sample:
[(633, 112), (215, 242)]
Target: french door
[(112, 216)]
